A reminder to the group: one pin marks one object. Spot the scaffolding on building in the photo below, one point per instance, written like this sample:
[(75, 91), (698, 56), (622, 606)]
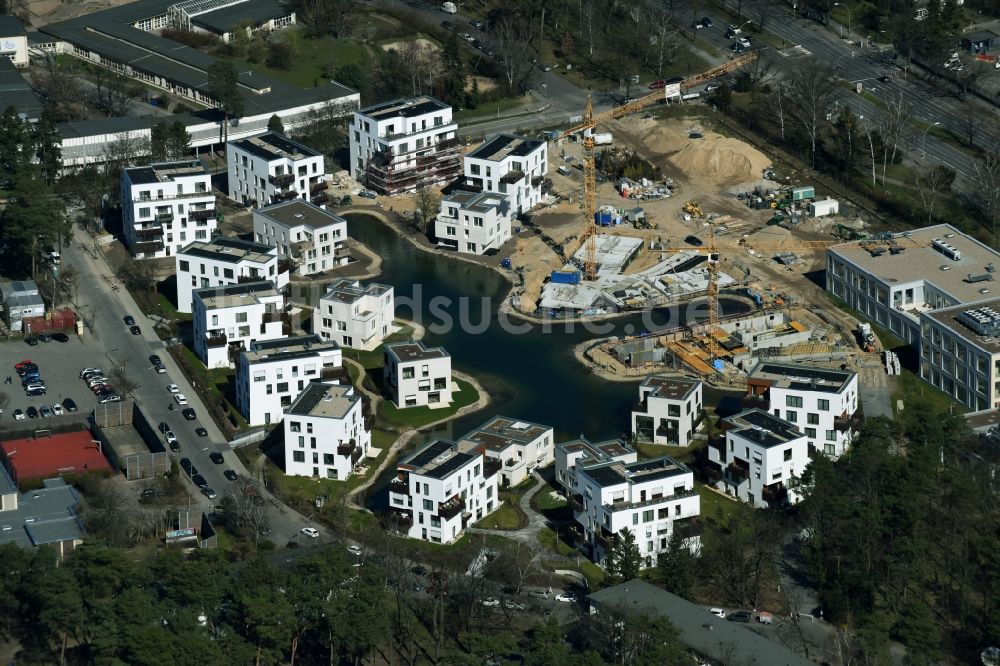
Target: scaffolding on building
[(394, 172)]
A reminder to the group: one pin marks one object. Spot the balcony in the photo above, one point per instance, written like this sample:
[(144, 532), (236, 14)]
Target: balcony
[(284, 195), (451, 508), (216, 340), (512, 177), (146, 247), (285, 266), (186, 195), (399, 486), (150, 234), (281, 180), (399, 519), (845, 423), (753, 401), (576, 501), (320, 199), (604, 539), (688, 528), (491, 467), (655, 499), (164, 217), (319, 186), (347, 448), (201, 214), (537, 180), (737, 474), (774, 494)]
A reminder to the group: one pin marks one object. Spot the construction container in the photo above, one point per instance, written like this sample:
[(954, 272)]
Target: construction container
[(825, 207), (635, 215), (803, 193), (603, 218), (565, 277), (603, 139)]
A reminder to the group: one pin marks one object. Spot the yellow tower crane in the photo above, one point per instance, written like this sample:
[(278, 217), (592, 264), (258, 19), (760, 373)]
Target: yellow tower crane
[(590, 122)]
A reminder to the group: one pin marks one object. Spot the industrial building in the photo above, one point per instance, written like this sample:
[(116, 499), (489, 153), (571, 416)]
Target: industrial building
[(227, 18), (960, 352)]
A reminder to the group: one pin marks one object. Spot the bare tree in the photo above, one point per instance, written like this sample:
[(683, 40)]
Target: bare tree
[(869, 132), (587, 10), (780, 106), (114, 93), (139, 274), (58, 88), (931, 184), (511, 45), (664, 37), (895, 128), (763, 11), (243, 509), (123, 381), (427, 200), (987, 197), (812, 89)]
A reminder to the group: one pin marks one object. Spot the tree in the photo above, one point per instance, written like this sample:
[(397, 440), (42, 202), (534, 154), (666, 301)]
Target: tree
[(678, 568), (139, 274), (812, 89), (50, 601), (895, 127), (333, 17), (114, 93), (352, 75), (623, 561), (762, 11), (168, 141), (931, 184), (511, 46), (987, 192), (47, 147), (123, 381), (274, 124), (32, 220), (280, 54), (58, 89), (546, 645), (223, 85), (427, 200)]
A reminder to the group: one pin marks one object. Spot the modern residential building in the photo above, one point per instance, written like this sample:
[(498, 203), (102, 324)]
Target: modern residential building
[(404, 144), (13, 41), (271, 168), (21, 300), (314, 239), (579, 453), (669, 410), (509, 165), (821, 402), (521, 447), (166, 206), (758, 458), (892, 280), (650, 498), (355, 315), (473, 222), (229, 319), (440, 490), (225, 260), (325, 432), (960, 352), (271, 374), (416, 375)]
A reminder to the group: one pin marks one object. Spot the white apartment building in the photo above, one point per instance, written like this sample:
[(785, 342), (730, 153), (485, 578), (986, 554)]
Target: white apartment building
[(576, 454), (13, 41), (355, 315), (270, 374), (473, 222), (821, 402), (521, 447), (759, 457), (229, 319), (314, 239), (893, 280), (960, 353), (669, 410), (325, 432), (404, 144), (439, 491), (225, 260), (416, 375), (166, 206), (271, 168), (512, 166), (650, 498)]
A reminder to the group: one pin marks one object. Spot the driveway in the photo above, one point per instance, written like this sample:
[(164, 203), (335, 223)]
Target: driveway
[(528, 534), (874, 392)]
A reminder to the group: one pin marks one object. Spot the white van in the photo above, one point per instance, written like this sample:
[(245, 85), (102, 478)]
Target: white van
[(449, 8), (54, 257)]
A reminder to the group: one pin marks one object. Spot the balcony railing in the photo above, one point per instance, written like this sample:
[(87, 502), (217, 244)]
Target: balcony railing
[(399, 486), (164, 217), (451, 508), (281, 180), (346, 449), (750, 401), (201, 214), (319, 186), (775, 493), (284, 195), (320, 198), (688, 528), (399, 519), (491, 467), (151, 234), (656, 499), (186, 195), (216, 340), (512, 177), (576, 501), (737, 474)]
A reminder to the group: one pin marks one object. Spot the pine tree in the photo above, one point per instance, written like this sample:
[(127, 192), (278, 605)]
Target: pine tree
[(274, 124), (677, 567), (624, 561)]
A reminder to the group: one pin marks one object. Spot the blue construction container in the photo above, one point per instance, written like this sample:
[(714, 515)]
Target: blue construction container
[(565, 277), (603, 218)]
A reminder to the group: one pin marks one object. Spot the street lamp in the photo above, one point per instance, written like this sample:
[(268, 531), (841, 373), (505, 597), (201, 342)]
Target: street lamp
[(923, 143), (841, 4)]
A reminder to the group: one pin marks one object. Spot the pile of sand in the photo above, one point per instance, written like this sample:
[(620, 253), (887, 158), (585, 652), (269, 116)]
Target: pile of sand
[(720, 159)]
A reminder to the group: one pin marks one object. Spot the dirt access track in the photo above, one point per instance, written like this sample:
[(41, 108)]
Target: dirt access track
[(708, 170)]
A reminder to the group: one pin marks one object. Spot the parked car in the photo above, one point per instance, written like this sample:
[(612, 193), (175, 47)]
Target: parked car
[(189, 414), (476, 23), (57, 410), (187, 466), (367, 194), (310, 532), (173, 388), (199, 480), (170, 436), (180, 399), (567, 597), (744, 42), (129, 320), (60, 337), (70, 405), (45, 337), (201, 432), (31, 341), (354, 550), (208, 492), (19, 415), (717, 612), (135, 330), (32, 412), (35, 392), (491, 602), (659, 84), (89, 370), (175, 446), (21, 364), (216, 457), (164, 426), (707, 22), (160, 369), (114, 397), (693, 241), (740, 616), (230, 474)]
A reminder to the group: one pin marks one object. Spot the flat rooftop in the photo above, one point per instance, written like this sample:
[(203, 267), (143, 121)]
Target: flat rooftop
[(500, 146), (414, 351), (920, 262), (230, 250), (301, 346), (672, 388), (762, 427), (476, 202), (228, 19), (231, 295), (43, 457), (502, 432), (404, 108), (644, 471), (166, 172), (331, 401), (596, 452), (438, 459), (801, 378), (273, 146), (17, 92), (297, 212), (347, 290), (988, 340), (46, 515)]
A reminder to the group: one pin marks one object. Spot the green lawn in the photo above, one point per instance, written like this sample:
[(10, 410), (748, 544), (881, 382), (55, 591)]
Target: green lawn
[(376, 357), (548, 538), (682, 454), (312, 56), (914, 391), (593, 573), (508, 516), (544, 500), (488, 110), (217, 383), (417, 417), (717, 508), (168, 310)]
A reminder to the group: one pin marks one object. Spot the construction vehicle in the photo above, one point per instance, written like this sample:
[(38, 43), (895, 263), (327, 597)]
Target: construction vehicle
[(866, 337), (590, 122), (693, 209)]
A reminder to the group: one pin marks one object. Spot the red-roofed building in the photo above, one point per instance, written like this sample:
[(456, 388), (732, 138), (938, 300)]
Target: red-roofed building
[(47, 457)]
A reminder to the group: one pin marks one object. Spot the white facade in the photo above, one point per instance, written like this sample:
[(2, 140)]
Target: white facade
[(271, 374), (669, 410), (13, 41), (439, 491), (355, 315), (760, 456), (473, 222), (404, 144), (271, 168), (223, 261), (314, 239), (821, 402), (230, 318), (166, 206), (519, 446), (325, 433), (574, 455), (511, 166), (20, 300), (960, 353), (415, 375)]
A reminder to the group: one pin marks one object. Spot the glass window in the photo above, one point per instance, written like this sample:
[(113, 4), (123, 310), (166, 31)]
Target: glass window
[(793, 401), (823, 405)]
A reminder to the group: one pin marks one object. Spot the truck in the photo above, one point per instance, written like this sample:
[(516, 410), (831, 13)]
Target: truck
[(449, 8)]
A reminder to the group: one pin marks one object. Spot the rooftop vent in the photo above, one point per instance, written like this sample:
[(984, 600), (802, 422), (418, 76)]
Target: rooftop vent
[(946, 268), (984, 321), (946, 248), (984, 291), (982, 277)]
